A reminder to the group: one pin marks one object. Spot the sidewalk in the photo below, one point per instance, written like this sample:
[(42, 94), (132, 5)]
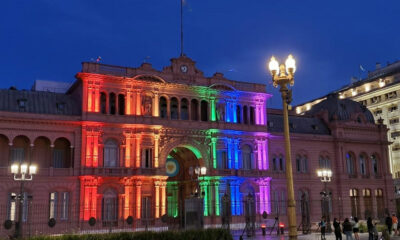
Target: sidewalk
[(313, 236)]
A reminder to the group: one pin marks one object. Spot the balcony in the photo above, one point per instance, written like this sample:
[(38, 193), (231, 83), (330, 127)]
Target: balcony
[(118, 172)]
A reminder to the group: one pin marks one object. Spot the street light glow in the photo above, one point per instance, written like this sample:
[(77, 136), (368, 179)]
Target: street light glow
[(273, 66), (290, 64), (14, 168), (24, 168), (32, 169)]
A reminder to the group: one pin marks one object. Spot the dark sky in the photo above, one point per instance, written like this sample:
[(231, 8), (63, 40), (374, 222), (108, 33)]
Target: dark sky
[(48, 39)]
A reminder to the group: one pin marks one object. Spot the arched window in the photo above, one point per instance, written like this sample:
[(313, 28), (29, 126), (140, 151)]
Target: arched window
[(121, 104), (238, 114), (281, 164), (355, 203), (174, 108), (19, 149), (163, 107), (184, 109), (379, 202), (61, 153), (247, 157), (103, 103), (301, 164), (204, 111), (304, 205), (194, 106), (274, 163), (245, 115), (324, 162), (363, 165), (112, 103), (279, 201), (110, 156), (350, 164), (109, 206), (367, 203), (374, 163)]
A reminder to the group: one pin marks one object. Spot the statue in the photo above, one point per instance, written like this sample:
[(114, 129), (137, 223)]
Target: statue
[(146, 106), (220, 112)]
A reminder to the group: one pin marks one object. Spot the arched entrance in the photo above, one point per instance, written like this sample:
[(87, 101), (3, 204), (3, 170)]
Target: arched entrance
[(182, 182)]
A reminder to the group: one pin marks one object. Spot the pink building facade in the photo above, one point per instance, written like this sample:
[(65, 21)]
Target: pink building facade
[(122, 144)]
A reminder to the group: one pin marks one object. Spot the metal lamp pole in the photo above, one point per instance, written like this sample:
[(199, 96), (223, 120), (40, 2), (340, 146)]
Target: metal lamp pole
[(22, 172), (282, 76), (326, 176)]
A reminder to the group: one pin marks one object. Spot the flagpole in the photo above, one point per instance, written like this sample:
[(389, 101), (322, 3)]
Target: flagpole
[(181, 27)]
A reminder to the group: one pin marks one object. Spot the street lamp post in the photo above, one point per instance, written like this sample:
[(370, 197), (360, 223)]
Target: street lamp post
[(22, 172), (326, 176), (282, 76)]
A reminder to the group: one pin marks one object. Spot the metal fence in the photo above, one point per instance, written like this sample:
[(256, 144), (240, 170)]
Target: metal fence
[(237, 216)]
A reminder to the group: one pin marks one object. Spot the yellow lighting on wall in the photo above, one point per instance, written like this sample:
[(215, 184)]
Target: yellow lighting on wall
[(367, 87), (381, 83), (353, 92)]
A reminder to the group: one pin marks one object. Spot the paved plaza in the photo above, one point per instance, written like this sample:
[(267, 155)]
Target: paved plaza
[(313, 236)]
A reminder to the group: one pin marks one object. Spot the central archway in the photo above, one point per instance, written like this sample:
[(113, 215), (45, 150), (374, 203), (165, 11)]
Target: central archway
[(182, 181)]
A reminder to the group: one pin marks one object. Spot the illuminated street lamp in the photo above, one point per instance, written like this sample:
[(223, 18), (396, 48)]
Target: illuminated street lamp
[(198, 172), (325, 175), (282, 76), (22, 172)]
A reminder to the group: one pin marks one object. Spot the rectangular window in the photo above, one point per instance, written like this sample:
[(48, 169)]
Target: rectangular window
[(392, 108), (394, 120), (222, 158), (147, 158), (17, 154), (395, 134), (53, 205), (64, 205)]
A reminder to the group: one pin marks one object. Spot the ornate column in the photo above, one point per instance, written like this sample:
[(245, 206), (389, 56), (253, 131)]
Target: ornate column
[(138, 186), (137, 150), (229, 153), (156, 143), (138, 103), (51, 156), (128, 204), (236, 153), (163, 198), (128, 103), (190, 109), (216, 188), (214, 152), (213, 114), (259, 154), (90, 99), (265, 155), (128, 151), (96, 99), (157, 199), (168, 108), (156, 105)]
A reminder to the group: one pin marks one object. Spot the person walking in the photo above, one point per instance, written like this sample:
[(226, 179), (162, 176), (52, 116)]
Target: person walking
[(389, 223), (370, 227), (348, 229), (395, 222), (338, 232), (322, 225), (356, 228)]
